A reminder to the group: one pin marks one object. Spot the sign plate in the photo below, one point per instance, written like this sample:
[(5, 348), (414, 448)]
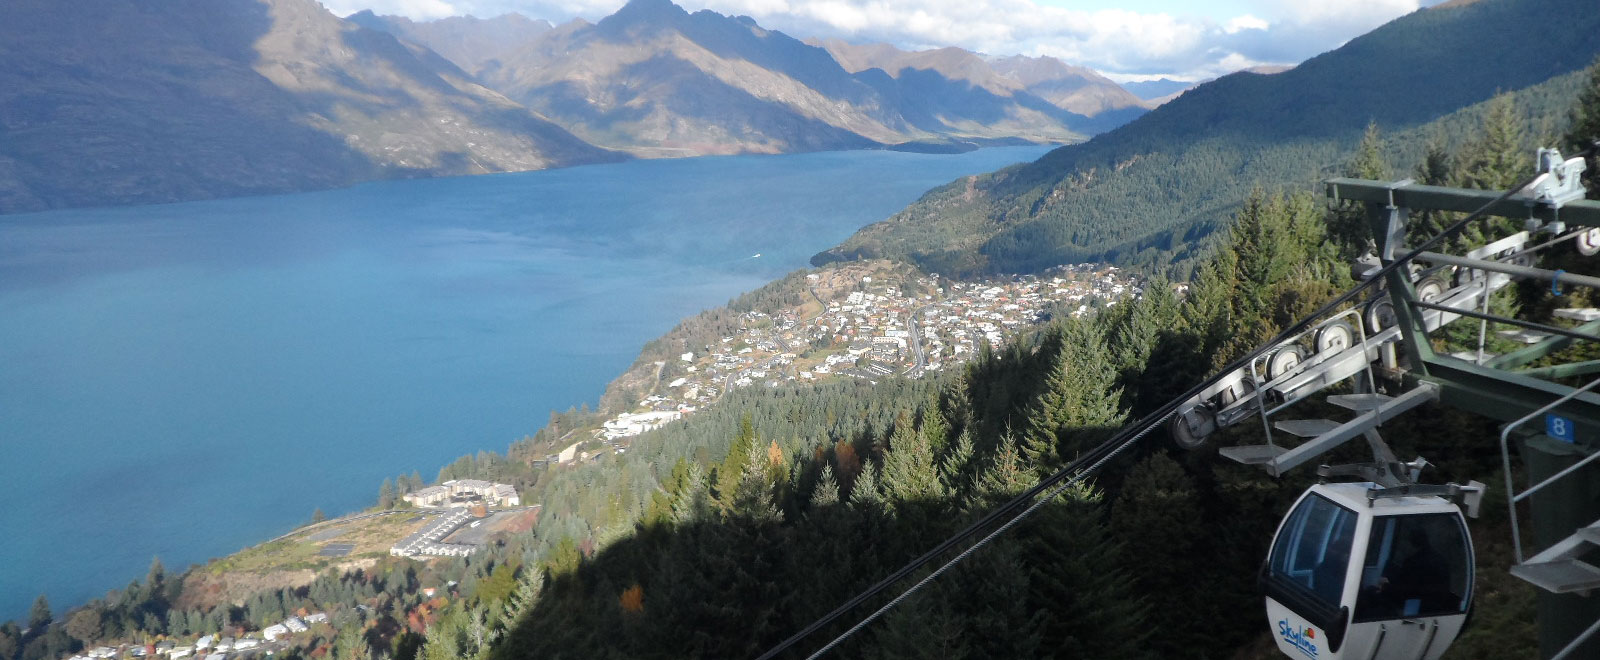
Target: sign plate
[(1560, 428)]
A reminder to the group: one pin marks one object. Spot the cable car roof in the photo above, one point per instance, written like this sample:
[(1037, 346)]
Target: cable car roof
[(1354, 495)]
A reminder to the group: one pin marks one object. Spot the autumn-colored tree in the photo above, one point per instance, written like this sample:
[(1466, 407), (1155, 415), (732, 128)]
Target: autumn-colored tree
[(632, 599)]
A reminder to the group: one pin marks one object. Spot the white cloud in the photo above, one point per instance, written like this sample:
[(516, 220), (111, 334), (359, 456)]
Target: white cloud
[(1126, 43), (1245, 22)]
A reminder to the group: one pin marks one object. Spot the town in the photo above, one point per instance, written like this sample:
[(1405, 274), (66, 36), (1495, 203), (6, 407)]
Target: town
[(212, 647), (860, 328)]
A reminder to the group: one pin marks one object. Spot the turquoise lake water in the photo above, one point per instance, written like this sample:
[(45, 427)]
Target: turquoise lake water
[(190, 379)]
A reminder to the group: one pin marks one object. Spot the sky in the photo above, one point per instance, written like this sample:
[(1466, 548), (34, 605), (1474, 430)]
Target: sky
[(1127, 40)]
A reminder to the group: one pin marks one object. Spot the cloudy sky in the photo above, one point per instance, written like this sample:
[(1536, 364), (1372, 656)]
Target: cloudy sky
[(1125, 39)]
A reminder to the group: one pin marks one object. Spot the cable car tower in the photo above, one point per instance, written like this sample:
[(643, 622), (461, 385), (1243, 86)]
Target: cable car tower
[(1381, 564)]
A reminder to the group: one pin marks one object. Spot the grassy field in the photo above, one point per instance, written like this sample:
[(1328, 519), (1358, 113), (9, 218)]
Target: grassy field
[(300, 550)]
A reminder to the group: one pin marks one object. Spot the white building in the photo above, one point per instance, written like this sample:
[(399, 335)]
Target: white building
[(463, 492), (631, 424), (274, 631), (506, 495)]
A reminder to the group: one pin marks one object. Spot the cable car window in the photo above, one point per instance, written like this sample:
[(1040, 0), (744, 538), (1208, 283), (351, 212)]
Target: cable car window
[(1312, 552), (1416, 565)]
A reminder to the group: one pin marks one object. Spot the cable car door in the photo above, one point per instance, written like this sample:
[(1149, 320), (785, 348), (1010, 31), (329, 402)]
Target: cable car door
[(1414, 585), (1348, 578), (1305, 577)]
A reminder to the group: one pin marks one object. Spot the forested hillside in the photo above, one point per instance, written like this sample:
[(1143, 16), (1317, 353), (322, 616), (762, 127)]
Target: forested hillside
[(1152, 191)]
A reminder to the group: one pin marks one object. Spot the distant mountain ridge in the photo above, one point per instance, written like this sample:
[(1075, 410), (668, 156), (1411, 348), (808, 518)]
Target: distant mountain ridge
[(657, 80), (121, 101), (471, 43), (1151, 90), (1150, 191)]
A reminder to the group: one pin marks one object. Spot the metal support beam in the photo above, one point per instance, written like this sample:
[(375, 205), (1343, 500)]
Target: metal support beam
[(1510, 269), (1388, 223), (1559, 371), (1507, 396), (1523, 356), (1417, 196), (1289, 460), (1541, 327)]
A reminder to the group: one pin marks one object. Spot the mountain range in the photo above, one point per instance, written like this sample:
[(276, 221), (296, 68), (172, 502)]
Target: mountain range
[(120, 101), (656, 80), (1151, 191)]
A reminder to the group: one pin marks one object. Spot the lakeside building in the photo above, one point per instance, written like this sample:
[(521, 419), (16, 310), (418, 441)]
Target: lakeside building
[(627, 425), (464, 492)]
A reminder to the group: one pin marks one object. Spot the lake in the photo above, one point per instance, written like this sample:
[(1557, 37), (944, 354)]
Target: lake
[(186, 380)]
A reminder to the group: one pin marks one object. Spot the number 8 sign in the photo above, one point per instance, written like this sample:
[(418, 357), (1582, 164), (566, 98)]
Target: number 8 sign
[(1560, 428)]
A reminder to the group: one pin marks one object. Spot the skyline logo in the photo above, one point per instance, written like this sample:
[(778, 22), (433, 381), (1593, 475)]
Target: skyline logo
[(1305, 639)]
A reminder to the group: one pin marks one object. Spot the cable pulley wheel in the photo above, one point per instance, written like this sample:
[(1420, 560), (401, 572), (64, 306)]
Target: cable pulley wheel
[(1284, 359), (1191, 428), (1379, 315), (1335, 337), (1238, 390), (1431, 288), (1588, 242)]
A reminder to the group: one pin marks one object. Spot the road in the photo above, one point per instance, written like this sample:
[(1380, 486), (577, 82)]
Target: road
[(916, 340)]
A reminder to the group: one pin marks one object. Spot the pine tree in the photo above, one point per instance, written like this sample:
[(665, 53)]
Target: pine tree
[(692, 502), (726, 477), (826, 493), (752, 497), (39, 615), (1158, 520), (386, 495), (864, 495), (922, 626), (1436, 169), (1499, 158), (1208, 309), (1005, 477), (156, 575), (933, 424), (1585, 130), (1079, 402), (85, 625), (1347, 224), (1368, 162), (909, 474), (956, 468), (1087, 606), (1134, 335)]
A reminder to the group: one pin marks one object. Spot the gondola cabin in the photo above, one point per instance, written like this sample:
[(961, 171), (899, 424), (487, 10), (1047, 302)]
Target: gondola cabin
[(1368, 578)]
